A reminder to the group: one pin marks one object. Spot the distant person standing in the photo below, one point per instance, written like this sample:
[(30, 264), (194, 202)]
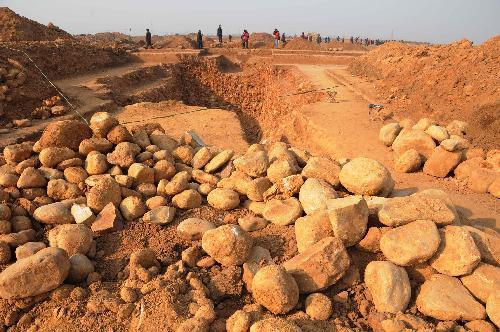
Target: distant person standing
[(318, 39), (230, 38), (303, 36), (199, 40), (244, 39), (148, 39), (276, 34), (219, 33), (283, 39)]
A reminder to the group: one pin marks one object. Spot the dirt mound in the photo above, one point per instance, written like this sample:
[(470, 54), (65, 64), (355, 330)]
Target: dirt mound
[(14, 27), (261, 40), (175, 41), (347, 46), (57, 60), (109, 39), (301, 44), (444, 82)]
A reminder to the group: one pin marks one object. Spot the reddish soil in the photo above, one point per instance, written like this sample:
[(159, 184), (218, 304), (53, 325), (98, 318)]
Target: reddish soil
[(301, 44), (444, 82)]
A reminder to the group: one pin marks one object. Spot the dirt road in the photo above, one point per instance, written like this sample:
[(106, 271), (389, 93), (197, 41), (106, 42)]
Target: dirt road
[(344, 129)]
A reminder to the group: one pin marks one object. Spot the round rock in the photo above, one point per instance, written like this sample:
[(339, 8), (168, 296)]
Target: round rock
[(275, 289), (229, 244), (389, 286), (411, 244), (318, 306), (34, 275), (73, 238), (282, 212), (223, 199), (457, 253), (363, 176), (314, 193), (445, 298)]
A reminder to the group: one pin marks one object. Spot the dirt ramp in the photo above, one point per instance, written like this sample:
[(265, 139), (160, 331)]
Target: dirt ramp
[(445, 82)]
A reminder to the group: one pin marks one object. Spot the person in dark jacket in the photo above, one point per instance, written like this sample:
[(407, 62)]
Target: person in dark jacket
[(283, 39), (219, 33), (199, 39), (148, 39)]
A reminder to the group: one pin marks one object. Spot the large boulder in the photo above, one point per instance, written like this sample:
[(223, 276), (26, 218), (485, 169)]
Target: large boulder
[(218, 161), (282, 212), (101, 145), (319, 266), (389, 286), (487, 244), (314, 194), (73, 238), (223, 199), (51, 156), (275, 289), (388, 133), (483, 282), (364, 176), (408, 162), (414, 139), (65, 134), (311, 229), (442, 162), (31, 178), (445, 298), (412, 243), (493, 307), (107, 190), (101, 123), (34, 275), (457, 253), (348, 218), (54, 213), (228, 244), (322, 168), (253, 163), (399, 211)]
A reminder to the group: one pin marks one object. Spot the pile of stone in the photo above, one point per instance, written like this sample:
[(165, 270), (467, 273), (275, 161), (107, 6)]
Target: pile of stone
[(12, 75), (440, 151), (77, 183), (50, 107)]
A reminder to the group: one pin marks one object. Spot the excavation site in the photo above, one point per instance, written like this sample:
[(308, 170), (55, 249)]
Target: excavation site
[(286, 186)]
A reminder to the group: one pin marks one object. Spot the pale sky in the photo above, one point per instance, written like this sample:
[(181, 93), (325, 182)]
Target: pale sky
[(437, 21)]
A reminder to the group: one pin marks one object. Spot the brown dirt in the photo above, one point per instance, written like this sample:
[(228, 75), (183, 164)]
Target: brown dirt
[(57, 60), (175, 41), (301, 44), (444, 82), (14, 27), (260, 94)]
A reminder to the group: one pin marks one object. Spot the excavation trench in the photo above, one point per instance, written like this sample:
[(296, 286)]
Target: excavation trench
[(263, 96)]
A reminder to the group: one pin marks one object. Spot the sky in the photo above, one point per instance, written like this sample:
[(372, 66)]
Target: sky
[(435, 21)]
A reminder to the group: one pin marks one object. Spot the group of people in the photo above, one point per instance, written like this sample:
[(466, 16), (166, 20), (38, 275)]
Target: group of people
[(245, 37)]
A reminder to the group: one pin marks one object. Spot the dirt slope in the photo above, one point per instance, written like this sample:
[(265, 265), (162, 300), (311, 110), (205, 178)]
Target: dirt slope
[(455, 81), (14, 27)]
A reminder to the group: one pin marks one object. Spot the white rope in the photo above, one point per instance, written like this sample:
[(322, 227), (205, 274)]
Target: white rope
[(73, 108)]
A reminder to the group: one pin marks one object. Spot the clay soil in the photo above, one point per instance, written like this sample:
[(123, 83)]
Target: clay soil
[(444, 82)]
